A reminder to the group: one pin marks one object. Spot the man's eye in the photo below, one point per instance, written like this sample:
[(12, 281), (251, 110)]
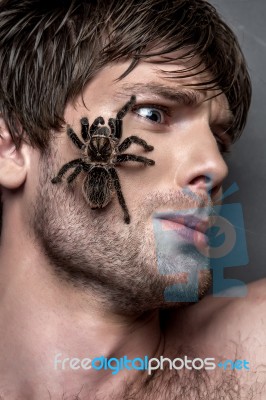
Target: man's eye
[(153, 114), (223, 146)]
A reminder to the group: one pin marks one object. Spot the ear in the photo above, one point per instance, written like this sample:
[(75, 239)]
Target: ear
[(13, 162)]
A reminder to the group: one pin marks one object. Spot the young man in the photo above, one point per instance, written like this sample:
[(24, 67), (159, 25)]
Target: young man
[(80, 254)]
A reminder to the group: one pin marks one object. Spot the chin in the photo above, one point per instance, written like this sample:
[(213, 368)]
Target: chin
[(151, 293), (182, 291)]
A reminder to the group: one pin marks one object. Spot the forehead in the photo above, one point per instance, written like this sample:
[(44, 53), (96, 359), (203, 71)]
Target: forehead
[(163, 77)]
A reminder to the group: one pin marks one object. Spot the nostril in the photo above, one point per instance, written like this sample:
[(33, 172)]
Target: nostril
[(202, 181)]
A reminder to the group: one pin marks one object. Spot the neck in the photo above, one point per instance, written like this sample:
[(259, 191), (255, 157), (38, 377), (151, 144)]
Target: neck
[(44, 321)]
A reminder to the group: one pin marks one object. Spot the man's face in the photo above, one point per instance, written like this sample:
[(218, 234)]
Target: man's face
[(95, 248)]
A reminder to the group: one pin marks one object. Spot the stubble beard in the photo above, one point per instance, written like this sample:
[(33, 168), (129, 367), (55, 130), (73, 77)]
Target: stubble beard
[(96, 251)]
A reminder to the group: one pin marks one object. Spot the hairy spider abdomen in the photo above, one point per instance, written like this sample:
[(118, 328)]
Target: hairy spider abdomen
[(97, 187)]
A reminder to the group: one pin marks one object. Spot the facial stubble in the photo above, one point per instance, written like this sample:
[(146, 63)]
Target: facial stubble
[(95, 251)]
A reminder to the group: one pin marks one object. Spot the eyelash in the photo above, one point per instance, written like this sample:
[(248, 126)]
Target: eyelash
[(152, 106), (224, 148), (223, 144)]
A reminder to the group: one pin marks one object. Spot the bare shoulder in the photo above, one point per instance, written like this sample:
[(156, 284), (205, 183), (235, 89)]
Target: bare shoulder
[(232, 329), (229, 314), (245, 317), (230, 321)]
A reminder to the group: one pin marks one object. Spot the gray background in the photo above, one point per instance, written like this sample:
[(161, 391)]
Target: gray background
[(247, 162)]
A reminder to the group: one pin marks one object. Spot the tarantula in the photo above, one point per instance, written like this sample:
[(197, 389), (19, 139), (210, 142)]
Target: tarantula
[(101, 152)]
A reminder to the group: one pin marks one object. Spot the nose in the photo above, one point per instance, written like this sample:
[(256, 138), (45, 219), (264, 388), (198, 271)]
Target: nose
[(203, 169)]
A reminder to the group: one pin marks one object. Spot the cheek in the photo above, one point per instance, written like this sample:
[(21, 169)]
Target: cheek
[(172, 146), (33, 178), (138, 182)]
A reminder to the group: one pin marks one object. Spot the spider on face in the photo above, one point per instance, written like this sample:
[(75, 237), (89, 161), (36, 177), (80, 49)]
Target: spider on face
[(101, 153)]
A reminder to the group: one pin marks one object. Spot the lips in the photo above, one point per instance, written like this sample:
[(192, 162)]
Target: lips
[(188, 220), (188, 226)]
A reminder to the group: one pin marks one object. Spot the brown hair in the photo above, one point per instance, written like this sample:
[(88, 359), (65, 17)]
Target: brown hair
[(50, 50)]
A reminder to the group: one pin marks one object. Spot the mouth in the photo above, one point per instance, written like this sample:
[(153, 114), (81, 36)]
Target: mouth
[(189, 227)]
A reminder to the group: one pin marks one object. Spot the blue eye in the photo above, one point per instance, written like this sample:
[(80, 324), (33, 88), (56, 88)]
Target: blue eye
[(153, 114)]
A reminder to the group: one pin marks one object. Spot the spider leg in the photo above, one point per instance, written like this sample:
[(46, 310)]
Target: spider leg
[(134, 139), (127, 107), (120, 115), (77, 142), (120, 196), (76, 172), (131, 157), (95, 124), (65, 168), (112, 124), (84, 128)]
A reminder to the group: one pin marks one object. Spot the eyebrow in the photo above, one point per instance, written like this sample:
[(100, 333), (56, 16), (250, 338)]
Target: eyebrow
[(187, 97), (184, 96)]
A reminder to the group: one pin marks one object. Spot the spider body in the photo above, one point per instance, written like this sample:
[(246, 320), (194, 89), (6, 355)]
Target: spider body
[(100, 153), (101, 146)]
